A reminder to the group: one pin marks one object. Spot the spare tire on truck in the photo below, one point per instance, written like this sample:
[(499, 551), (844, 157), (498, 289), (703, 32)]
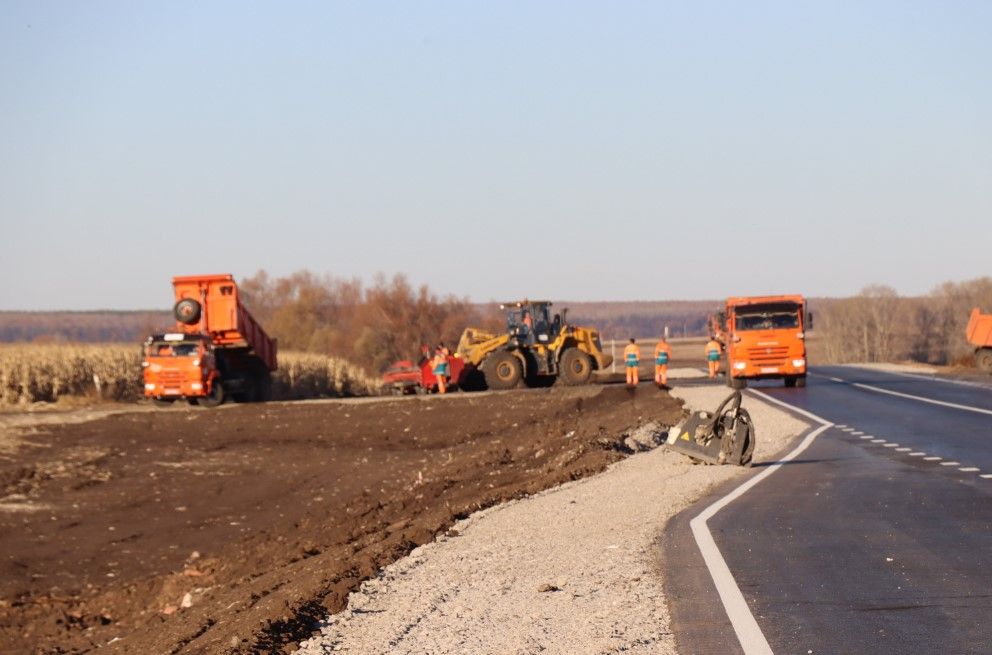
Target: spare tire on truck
[(187, 311)]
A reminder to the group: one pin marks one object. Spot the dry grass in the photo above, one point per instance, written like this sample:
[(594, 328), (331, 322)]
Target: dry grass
[(47, 373)]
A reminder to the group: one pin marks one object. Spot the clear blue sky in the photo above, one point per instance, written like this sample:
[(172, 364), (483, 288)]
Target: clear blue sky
[(582, 151)]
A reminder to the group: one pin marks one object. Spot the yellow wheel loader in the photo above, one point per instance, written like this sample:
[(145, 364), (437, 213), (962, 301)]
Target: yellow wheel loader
[(538, 348)]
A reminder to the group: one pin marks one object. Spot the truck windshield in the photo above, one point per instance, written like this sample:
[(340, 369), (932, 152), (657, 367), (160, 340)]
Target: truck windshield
[(767, 317), (172, 349)]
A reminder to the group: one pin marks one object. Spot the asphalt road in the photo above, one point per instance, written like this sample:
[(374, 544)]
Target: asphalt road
[(875, 539)]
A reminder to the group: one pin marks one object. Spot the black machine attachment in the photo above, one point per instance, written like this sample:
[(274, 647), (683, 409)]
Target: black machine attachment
[(725, 436)]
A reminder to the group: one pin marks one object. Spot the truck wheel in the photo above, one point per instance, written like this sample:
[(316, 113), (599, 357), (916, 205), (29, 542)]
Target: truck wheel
[(790, 381), (187, 311), (502, 371), (216, 396), (263, 387), (575, 367), (983, 359), (801, 381)]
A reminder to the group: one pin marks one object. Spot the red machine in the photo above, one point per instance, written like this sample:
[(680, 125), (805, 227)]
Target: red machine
[(405, 377), (219, 350)]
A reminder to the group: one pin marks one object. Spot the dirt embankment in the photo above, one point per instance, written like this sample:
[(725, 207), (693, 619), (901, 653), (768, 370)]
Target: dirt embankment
[(236, 530)]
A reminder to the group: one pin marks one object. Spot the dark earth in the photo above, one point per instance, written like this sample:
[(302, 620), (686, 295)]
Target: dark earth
[(235, 530)]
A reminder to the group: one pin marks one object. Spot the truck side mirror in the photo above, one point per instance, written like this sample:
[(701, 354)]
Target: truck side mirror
[(809, 320)]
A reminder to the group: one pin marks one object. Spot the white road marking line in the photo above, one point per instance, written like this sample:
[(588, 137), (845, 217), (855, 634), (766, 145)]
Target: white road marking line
[(848, 430), (867, 436), (903, 450), (841, 426), (891, 445), (857, 433), (748, 631), (950, 463), (917, 454), (836, 380), (878, 440), (968, 469), (933, 378), (923, 399), (933, 459), (987, 476)]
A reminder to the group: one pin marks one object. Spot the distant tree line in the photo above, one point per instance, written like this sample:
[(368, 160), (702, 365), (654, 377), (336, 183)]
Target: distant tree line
[(878, 325), (371, 325)]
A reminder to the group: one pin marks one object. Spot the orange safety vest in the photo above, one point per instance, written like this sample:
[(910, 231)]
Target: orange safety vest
[(632, 354), (662, 348)]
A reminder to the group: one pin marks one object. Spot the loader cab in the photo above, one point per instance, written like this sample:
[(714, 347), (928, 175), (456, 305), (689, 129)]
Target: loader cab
[(532, 322)]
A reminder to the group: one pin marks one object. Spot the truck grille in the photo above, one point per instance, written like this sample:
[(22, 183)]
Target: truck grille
[(768, 355), (171, 378)]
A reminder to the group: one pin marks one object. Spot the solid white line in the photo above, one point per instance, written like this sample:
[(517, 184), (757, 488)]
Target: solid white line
[(836, 380), (922, 399), (929, 378), (968, 469), (746, 627), (950, 463)]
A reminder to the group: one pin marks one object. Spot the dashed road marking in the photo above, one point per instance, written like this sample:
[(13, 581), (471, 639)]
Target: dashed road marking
[(836, 380), (903, 450), (840, 426), (933, 459), (917, 454), (857, 433), (969, 469), (987, 476), (878, 440), (847, 429), (867, 436), (891, 445), (950, 463)]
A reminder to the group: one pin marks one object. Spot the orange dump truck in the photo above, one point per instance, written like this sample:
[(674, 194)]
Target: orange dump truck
[(765, 337), (218, 350), (980, 335)]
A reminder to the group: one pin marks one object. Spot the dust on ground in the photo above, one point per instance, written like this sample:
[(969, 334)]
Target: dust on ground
[(238, 529)]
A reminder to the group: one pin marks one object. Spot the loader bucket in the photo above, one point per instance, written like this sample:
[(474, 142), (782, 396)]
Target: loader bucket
[(725, 436)]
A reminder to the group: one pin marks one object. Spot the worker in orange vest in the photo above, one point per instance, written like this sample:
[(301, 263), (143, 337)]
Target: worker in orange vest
[(712, 350), (440, 364), (662, 353), (632, 359)]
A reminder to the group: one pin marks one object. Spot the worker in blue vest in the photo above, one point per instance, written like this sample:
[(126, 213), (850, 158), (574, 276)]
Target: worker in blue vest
[(632, 360)]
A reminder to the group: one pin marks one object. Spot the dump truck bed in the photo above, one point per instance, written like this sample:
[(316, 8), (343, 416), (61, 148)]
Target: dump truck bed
[(224, 319), (980, 328)]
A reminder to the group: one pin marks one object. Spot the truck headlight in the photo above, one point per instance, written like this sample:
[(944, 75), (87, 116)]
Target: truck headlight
[(196, 362), (149, 386), (740, 366), (799, 363), (196, 386)]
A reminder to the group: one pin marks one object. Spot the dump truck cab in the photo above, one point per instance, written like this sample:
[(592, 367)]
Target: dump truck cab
[(176, 365), (765, 338), (539, 347)]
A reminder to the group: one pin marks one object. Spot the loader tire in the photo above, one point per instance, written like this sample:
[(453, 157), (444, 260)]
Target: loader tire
[(502, 371), (983, 359), (575, 367)]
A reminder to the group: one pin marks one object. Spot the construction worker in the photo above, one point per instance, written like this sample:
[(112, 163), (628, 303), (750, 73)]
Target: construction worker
[(662, 353), (632, 358), (712, 350), (440, 364)]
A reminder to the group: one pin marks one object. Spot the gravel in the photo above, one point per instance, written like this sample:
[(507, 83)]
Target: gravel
[(575, 569)]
